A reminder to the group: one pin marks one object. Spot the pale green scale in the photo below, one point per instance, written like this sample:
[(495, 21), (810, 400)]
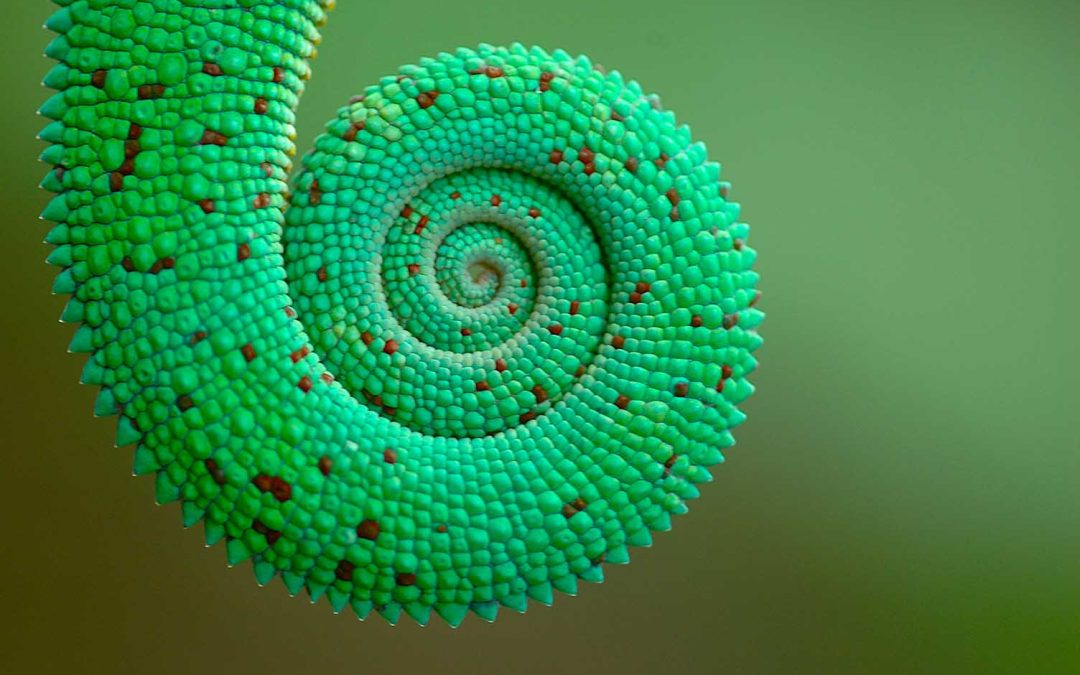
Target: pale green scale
[(496, 339)]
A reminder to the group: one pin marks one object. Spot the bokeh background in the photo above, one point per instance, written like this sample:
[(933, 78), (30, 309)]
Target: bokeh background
[(905, 497)]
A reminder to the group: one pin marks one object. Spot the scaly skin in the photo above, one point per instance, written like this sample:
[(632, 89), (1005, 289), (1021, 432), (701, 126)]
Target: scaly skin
[(497, 338)]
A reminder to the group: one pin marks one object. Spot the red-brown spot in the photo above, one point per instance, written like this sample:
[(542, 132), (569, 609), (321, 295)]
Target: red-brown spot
[(405, 578), (724, 191), (500, 365), (128, 264), (466, 332), (573, 507), (325, 464), (616, 116), (98, 78), (116, 181), (211, 137), (214, 470), (267, 169), (280, 488), (368, 529), (185, 403), (493, 71), (524, 283), (555, 328), (730, 320), (424, 220), (696, 321), (367, 337), (622, 401), (738, 244), (642, 287), (512, 307), (390, 456), (279, 74), (198, 337), (661, 161), (290, 312), (306, 384), (455, 195), (131, 148), (674, 215), (350, 133), (320, 273), (681, 389), (482, 385), (574, 307), (580, 370), (407, 211), (413, 268), (207, 205), (545, 81), (271, 535), (148, 91), (248, 351), (427, 99), (631, 164), (556, 156), (391, 346), (373, 398), (757, 296), (635, 297), (527, 417), (586, 155), (534, 212), (326, 377), (262, 200), (726, 371), (673, 196), (163, 264), (134, 132), (243, 251), (261, 106), (496, 200), (212, 69), (539, 393), (441, 527), (590, 168), (299, 354), (344, 570), (618, 341)]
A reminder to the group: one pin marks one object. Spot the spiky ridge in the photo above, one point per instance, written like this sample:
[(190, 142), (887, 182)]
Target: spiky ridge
[(523, 304)]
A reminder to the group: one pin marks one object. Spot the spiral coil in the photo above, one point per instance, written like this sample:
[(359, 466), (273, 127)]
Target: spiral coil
[(497, 337)]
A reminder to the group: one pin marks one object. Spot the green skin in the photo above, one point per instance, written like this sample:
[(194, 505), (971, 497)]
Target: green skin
[(497, 338)]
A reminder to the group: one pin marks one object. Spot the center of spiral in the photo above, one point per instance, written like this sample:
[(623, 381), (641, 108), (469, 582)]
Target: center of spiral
[(473, 262), (449, 316)]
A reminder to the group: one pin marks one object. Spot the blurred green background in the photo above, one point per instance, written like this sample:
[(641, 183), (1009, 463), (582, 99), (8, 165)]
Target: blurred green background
[(905, 495)]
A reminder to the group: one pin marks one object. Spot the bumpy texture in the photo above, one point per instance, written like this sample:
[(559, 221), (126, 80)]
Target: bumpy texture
[(497, 337)]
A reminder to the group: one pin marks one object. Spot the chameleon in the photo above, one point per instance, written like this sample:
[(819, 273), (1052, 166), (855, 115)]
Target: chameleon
[(490, 336)]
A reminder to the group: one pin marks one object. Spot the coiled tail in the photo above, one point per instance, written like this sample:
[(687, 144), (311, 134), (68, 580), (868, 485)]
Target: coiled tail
[(494, 336)]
